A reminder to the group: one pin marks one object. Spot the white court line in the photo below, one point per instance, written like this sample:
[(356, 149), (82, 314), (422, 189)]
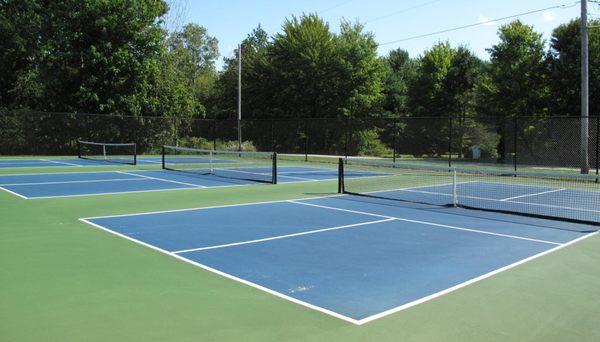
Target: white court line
[(516, 237), (200, 208), (530, 195), (57, 162), (60, 173), (415, 188), (333, 172), (14, 193), (294, 177), (167, 189), (149, 161), (469, 282), (228, 276), (282, 236), (75, 182), (161, 179), (129, 192), (242, 171)]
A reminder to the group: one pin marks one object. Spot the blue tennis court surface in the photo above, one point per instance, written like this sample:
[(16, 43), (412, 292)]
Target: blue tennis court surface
[(353, 258), (50, 185), (71, 162)]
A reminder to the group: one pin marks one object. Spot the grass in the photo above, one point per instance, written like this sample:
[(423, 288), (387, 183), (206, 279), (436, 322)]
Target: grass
[(61, 280)]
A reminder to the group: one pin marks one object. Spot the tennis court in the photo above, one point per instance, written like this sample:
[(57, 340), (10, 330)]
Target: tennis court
[(354, 258), (66, 162), (51, 185), (396, 236)]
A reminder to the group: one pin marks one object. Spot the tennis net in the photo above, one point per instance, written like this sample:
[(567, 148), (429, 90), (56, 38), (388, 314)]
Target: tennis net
[(122, 153), (561, 196), (236, 165)]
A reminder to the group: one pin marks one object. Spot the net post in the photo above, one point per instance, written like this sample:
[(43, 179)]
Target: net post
[(454, 189), (274, 180), (78, 148), (163, 157), (134, 154), (341, 176)]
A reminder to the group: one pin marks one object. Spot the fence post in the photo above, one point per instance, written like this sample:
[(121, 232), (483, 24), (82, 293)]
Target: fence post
[(272, 135), (515, 130), (394, 138), (274, 180), (306, 139), (450, 140), (597, 144), (215, 134), (347, 137)]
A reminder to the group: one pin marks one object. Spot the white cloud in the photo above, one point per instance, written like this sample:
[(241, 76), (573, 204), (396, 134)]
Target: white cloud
[(548, 16), (485, 20)]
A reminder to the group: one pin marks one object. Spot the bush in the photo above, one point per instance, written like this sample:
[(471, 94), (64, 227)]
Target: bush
[(205, 144), (368, 143), (486, 140), (232, 145)]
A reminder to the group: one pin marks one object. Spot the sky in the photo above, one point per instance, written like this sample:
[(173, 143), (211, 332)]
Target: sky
[(389, 20)]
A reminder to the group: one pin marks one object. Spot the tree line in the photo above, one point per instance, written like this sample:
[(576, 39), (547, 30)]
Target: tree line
[(117, 58)]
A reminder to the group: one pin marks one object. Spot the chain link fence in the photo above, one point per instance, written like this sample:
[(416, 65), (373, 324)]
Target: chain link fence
[(479, 141)]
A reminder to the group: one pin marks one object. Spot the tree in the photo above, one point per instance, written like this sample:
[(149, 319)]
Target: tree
[(518, 78), (192, 53), (87, 56), (20, 48), (565, 66), (459, 93), (360, 81), (429, 126), (518, 86), (305, 68), (400, 70), (101, 56), (256, 101)]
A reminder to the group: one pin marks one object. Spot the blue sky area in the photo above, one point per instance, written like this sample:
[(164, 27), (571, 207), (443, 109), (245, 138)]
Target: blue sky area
[(390, 20)]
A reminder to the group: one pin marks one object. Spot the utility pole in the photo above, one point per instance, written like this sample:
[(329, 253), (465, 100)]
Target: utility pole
[(239, 116), (585, 162)]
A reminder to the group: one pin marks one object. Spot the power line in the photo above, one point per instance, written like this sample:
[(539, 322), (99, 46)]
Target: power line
[(336, 6), (480, 23), (401, 11)]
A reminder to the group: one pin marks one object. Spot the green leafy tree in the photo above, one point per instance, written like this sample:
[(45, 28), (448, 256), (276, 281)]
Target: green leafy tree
[(459, 90), (87, 56), (305, 68), (256, 77), (101, 56), (400, 70), (20, 49), (429, 126), (192, 53), (360, 79), (518, 86), (565, 61), (518, 73)]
